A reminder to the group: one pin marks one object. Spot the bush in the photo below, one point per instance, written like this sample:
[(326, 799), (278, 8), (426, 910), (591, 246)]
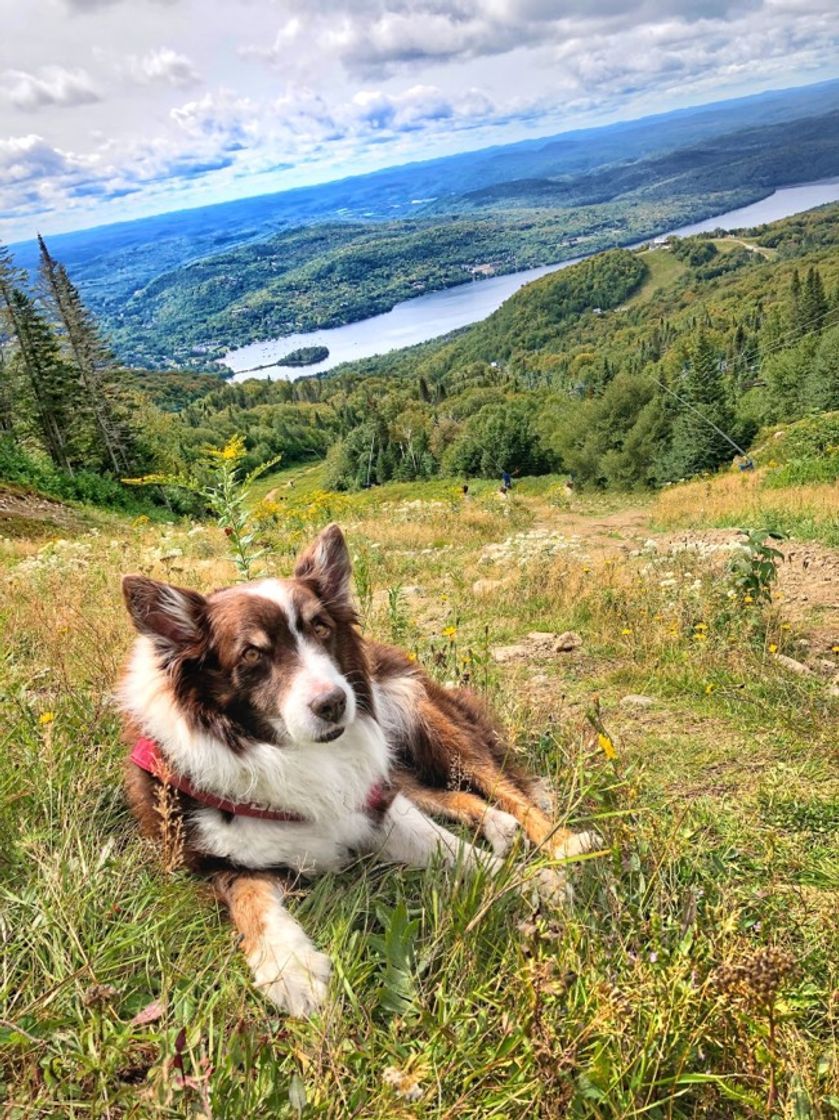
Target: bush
[(18, 466)]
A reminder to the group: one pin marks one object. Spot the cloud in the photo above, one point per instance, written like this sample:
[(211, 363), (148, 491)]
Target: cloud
[(222, 117), (165, 66), (85, 6), (53, 85), (38, 177), (381, 38)]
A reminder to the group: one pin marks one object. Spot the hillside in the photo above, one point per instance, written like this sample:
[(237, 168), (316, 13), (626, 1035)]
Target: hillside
[(704, 922), (327, 275), (576, 371)]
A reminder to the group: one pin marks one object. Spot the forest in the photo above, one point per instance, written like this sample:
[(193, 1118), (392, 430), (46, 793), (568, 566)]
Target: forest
[(629, 369)]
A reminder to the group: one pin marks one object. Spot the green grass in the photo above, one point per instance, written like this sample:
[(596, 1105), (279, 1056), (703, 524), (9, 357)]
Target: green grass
[(719, 815), (663, 270)]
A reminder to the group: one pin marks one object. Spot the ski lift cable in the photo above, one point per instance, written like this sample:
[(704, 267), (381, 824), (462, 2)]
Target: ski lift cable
[(701, 416)]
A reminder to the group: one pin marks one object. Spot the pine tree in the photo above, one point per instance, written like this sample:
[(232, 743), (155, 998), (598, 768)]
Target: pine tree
[(814, 305), (697, 442), (795, 300), (89, 355), (51, 382)]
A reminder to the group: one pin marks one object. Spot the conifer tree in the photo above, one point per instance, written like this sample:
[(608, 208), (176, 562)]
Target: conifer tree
[(795, 300), (813, 303), (53, 388), (89, 355), (697, 444)]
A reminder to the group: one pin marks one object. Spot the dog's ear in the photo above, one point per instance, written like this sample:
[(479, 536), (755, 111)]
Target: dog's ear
[(326, 563), (172, 617)]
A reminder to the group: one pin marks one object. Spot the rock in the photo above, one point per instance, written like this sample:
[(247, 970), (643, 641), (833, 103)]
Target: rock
[(487, 586), (637, 701), (792, 665), (568, 641), (824, 666), (503, 654)]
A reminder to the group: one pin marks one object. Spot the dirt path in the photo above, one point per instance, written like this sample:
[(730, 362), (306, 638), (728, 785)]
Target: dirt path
[(23, 514), (808, 577)]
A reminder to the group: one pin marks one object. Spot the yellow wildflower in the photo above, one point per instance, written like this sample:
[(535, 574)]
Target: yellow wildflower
[(626, 632), (46, 717), (449, 631), (412, 656), (607, 746), (748, 599), (709, 688), (233, 449), (773, 647)]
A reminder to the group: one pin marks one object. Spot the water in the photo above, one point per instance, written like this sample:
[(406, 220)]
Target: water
[(437, 313)]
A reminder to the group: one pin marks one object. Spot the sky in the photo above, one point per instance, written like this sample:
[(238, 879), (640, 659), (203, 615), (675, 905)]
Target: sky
[(115, 109)]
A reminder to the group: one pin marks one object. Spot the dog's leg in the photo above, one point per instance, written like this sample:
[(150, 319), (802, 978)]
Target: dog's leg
[(498, 827), (560, 843), (408, 836), (286, 966)]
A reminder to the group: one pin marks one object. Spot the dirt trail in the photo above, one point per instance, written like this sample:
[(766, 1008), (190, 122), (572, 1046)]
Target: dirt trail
[(808, 577), (23, 514)]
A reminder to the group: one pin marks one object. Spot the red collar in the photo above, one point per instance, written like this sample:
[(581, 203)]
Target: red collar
[(147, 756)]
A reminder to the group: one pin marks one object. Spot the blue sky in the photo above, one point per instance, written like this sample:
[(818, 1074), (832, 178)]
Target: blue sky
[(113, 109)]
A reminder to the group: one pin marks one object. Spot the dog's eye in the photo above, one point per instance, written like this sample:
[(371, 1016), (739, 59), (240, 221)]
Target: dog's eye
[(251, 655), (320, 628)]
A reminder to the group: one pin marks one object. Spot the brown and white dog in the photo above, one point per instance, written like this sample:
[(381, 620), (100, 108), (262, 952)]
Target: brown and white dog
[(271, 738)]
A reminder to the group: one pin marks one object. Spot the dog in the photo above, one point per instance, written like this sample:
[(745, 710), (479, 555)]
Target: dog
[(271, 741)]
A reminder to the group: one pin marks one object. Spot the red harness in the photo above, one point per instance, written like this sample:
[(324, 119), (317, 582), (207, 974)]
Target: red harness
[(147, 756)]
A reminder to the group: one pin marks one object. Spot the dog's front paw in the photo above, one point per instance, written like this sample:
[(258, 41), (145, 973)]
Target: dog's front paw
[(500, 829), (577, 844), (295, 980)]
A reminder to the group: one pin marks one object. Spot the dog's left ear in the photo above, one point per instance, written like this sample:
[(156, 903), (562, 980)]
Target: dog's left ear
[(326, 563)]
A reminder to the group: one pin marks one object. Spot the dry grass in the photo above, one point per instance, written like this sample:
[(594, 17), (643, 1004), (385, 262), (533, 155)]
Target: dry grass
[(807, 512)]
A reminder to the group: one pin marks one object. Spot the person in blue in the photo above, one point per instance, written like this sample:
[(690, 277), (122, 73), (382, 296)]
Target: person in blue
[(506, 480)]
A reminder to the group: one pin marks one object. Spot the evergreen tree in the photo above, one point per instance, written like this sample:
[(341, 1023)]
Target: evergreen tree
[(795, 308), (91, 358), (697, 441), (54, 393), (820, 391), (813, 304)]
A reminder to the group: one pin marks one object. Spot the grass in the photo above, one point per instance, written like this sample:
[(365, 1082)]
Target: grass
[(695, 977), (753, 499), (663, 270)]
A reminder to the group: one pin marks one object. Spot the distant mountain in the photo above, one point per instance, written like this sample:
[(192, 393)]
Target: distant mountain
[(176, 287)]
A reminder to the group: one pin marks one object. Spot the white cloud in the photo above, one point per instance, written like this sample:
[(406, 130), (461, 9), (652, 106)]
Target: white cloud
[(53, 85), (381, 38), (163, 65)]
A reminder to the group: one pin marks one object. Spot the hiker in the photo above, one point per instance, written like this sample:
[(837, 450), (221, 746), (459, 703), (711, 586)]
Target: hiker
[(506, 481)]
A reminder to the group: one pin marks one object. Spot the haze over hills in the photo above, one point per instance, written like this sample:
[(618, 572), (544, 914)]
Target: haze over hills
[(386, 236)]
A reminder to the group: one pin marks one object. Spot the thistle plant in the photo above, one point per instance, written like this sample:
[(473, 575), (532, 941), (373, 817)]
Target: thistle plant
[(224, 490)]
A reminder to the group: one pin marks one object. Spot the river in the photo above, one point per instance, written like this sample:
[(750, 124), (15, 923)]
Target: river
[(436, 313)]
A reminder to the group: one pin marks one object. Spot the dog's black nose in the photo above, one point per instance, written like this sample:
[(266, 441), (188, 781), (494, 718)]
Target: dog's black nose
[(330, 706)]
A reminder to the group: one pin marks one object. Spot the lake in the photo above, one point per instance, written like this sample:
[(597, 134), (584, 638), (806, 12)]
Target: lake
[(436, 313)]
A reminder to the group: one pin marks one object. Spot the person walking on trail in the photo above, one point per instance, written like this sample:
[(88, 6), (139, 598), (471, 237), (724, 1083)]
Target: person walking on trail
[(506, 480)]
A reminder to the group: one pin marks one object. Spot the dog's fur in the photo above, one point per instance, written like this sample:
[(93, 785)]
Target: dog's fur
[(266, 693)]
